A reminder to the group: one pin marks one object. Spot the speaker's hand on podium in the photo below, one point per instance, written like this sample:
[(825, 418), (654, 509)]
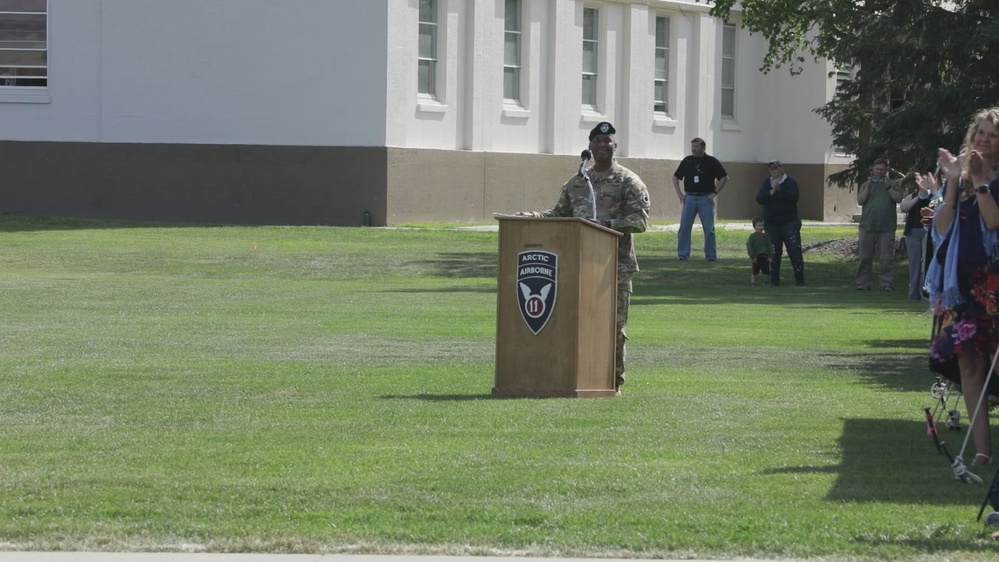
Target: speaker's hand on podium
[(605, 223)]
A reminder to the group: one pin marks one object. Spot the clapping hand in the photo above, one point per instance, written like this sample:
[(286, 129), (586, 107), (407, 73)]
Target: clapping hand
[(976, 168), (949, 165), (927, 183)]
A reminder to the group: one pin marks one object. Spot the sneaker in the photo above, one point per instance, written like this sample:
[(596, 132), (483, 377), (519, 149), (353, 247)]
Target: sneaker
[(889, 289)]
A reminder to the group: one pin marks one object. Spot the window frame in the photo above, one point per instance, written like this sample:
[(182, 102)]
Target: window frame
[(730, 59), (589, 86), (843, 75), (661, 84), (29, 93), (428, 87), (513, 69)]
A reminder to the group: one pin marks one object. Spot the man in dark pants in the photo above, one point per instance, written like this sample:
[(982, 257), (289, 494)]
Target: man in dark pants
[(779, 197)]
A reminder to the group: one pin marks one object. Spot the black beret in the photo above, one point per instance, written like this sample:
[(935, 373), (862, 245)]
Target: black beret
[(603, 128)]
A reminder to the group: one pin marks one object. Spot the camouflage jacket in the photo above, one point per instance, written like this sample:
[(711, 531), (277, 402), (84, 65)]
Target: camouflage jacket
[(622, 203)]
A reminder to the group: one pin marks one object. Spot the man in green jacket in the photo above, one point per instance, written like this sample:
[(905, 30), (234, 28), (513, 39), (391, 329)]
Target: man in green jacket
[(878, 198)]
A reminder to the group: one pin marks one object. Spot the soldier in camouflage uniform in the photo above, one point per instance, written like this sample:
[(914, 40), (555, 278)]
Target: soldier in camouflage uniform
[(622, 204)]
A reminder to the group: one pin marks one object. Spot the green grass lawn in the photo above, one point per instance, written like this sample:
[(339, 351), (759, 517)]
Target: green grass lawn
[(297, 389)]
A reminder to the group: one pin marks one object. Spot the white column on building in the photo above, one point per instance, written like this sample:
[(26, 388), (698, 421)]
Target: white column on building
[(612, 82), (681, 68), (704, 69), (564, 68), (533, 82), (401, 43), (636, 75), (455, 78), (476, 94)]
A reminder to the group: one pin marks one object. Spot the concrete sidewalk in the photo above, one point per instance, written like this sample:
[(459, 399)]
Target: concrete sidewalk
[(746, 226), (223, 557), (673, 227)]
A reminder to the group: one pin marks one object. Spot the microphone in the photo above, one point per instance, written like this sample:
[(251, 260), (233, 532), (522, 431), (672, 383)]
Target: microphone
[(583, 159)]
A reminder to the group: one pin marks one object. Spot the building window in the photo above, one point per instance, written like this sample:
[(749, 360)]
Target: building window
[(512, 41), (728, 72), (661, 88), (844, 75), (428, 48), (24, 43), (590, 61)]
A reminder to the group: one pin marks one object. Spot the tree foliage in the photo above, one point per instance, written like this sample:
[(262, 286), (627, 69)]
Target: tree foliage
[(922, 68)]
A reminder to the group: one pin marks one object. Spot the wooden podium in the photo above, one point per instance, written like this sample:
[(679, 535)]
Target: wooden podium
[(556, 301)]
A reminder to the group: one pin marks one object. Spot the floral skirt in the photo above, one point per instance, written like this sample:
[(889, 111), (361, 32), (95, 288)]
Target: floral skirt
[(968, 328)]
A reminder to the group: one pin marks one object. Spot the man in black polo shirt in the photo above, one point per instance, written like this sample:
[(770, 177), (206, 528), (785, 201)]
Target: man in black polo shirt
[(699, 171)]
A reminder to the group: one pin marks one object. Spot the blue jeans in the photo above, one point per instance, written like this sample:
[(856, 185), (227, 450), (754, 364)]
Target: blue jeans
[(699, 205)]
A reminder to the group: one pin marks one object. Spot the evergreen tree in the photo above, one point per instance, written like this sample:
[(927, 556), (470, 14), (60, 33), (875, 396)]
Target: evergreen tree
[(921, 68)]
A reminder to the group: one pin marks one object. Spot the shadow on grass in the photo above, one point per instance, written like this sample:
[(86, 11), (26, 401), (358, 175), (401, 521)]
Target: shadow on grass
[(828, 283), (907, 344), (457, 397), (904, 372), (439, 397), (934, 544), (31, 223), (877, 455), (444, 290), (463, 265), (668, 281)]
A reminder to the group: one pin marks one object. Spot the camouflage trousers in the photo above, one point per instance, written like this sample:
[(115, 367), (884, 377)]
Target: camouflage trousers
[(623, 304)]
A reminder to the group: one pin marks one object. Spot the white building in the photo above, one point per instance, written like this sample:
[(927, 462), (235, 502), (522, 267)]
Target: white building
[(320, 111)]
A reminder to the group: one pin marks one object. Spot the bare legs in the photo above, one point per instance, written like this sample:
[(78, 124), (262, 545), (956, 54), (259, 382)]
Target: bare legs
[(974, 369)]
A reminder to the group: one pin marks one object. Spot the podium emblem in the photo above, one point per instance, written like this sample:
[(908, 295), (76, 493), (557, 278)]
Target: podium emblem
[(537, 284)]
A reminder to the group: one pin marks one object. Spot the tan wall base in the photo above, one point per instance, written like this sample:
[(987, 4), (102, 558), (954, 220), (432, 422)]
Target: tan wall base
[(445, 186)]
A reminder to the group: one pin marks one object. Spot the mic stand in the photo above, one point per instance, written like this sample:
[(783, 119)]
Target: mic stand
[(593, 198)]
